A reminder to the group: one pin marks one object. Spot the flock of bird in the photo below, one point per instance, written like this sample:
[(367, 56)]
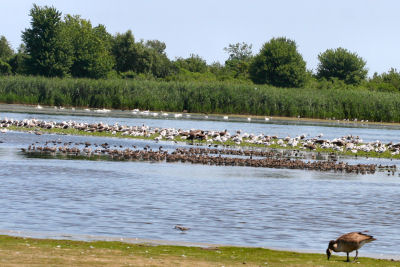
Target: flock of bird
[(205, 156), (354, 144)]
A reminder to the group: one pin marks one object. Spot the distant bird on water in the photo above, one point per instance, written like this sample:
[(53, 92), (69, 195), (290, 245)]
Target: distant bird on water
[(348, 243), (180, 227)]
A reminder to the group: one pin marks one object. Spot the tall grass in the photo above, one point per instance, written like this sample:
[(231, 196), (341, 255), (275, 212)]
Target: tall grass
[(209, 97)]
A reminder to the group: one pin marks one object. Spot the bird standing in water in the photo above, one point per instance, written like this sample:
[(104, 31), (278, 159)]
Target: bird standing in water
[(348, 243)]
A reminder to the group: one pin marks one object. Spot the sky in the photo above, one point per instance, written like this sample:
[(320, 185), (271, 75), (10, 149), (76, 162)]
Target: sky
[(369, 28)]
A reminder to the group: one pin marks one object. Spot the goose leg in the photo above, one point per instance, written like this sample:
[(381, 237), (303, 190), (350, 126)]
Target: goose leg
[(356, 257), (348, 259)]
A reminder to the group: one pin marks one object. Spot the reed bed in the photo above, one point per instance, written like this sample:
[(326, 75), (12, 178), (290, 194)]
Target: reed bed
[(203, 97)]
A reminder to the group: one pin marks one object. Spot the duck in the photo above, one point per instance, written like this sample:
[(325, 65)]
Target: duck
[(348, 243)]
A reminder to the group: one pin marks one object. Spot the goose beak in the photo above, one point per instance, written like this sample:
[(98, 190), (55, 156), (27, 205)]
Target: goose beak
[(328, 253)]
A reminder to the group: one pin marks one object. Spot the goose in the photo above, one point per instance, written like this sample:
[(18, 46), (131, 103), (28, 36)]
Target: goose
[(348, 243)]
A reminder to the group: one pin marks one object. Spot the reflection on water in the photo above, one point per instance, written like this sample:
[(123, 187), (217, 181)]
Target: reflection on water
[(291, 209)]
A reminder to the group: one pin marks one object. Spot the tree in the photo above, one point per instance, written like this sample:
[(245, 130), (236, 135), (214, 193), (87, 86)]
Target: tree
[(90, 46), (278, 63), (341, 64), (125, 52), (160, 64), (387, 81), (6, 51), (239, 51), (140, 57), (157, 46), (240, 55), (194, 63), (49, 54), (221, 72), (19, 60)]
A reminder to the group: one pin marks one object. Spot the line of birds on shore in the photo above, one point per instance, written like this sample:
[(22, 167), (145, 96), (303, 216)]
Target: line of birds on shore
[(354, 144), (205, 156)]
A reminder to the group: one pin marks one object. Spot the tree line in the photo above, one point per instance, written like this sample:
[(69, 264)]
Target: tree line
[(70, 46)]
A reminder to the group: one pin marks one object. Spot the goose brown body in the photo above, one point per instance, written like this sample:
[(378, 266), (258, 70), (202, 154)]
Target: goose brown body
[(348, 243)]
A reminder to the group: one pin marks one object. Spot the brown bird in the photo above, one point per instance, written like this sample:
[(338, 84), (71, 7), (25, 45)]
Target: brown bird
[(182, 228), (348, 243)]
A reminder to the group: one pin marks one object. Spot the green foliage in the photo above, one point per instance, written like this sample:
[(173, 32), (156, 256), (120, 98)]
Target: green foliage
[(239, 68), (388, 81), (183, 75), (49, 54), (194, 63), (158, 46), (342, 64), (18, 61), (90, 46), (329, 101), (161, 66), (125, 52), (140, 57), (239, 51), (238, 63), (6, 51), (279, 64), (5, 68), (73, 47)]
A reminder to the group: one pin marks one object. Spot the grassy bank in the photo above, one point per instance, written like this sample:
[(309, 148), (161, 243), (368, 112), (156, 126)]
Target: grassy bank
[(208, 97), (15, 251)]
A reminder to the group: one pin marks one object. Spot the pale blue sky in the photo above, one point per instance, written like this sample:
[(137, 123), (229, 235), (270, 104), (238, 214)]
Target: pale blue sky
[(369, 27)]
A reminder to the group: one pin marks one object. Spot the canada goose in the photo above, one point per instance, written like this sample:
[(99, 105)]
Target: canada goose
[(348, 243)]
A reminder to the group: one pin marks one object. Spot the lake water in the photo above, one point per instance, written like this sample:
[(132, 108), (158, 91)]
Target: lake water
[(290, 209)]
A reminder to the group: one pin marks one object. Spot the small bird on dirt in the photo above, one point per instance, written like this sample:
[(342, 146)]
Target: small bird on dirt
[(182, 228), (348, 243)]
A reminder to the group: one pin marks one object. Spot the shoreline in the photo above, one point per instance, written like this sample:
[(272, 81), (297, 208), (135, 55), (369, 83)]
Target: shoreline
[(160, 242), (80, 111)]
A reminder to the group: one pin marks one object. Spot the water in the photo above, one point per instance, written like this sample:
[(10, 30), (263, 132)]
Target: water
[(290, 209)]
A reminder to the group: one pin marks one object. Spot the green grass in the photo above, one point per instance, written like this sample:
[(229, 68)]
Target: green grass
[(113, 251), (204, 97)]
